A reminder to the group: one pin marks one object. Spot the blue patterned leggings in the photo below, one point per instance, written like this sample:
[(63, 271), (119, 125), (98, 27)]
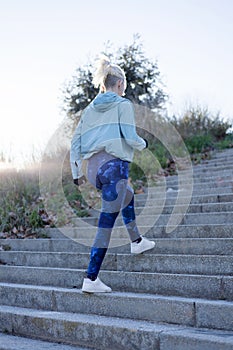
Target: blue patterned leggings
[(111, 177)]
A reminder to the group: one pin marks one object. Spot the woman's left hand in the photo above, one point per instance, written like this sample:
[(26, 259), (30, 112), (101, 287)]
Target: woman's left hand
[(80, 181)]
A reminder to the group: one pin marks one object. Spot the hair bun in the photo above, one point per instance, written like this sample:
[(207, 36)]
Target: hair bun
[(103, 68)]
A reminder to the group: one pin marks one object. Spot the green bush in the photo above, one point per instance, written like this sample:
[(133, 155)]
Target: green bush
[(34, 219), (199, 143), (19, 204), (160, 153), (198, 121), (227, 142), (136, 173)]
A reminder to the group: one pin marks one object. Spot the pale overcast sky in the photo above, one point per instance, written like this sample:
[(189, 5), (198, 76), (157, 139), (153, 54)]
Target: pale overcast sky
[(42, 41)]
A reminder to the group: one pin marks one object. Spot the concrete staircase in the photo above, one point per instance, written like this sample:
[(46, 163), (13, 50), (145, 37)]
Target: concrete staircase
[(178, 296)]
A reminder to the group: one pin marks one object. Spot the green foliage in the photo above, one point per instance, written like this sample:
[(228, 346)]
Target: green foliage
[(160, 153), (148, 166), (199, 143), (34, 219), (19, 203), (75, 199), (197, 121), (227, 142), (202, 130), (144, 86), (136, 173), (78, 91)]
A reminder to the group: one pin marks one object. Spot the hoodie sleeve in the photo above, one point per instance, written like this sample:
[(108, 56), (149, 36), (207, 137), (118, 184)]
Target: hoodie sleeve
[(75, 152), (128, 128)]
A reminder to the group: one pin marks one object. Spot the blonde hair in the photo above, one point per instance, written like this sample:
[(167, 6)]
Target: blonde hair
[(107, 73)]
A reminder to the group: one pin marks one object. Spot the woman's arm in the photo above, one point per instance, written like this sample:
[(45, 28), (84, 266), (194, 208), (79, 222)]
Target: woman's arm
[(75, 153), (128, 128)]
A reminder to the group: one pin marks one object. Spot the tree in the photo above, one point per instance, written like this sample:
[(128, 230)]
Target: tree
[(144, 86), (78, 92)]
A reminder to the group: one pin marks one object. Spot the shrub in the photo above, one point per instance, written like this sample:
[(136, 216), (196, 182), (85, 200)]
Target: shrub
[(227, 142), (199, 143), (197, 121), (19, 202)]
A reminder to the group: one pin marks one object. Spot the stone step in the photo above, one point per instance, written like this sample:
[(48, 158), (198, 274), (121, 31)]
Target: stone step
[(85, 235), (170, 199), (213, 166), (215, 161), (198, 218), (176, 264), (109, 332), (154, 208), (183, 285), (142, 200), (148, 307), (205, 190), (162, 219), (223, 153), (192, 231), (202, 169), (120, 237), (156, 194), (198, 246), (193, 208), (194, 341), (11, 342), (221, 159), (219, 183), (197, 185), (170, 180), (198, 176), (147, 262), (157, 207), (219, 156)]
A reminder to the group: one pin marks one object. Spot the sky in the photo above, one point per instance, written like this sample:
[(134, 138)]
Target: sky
[(43, 41)]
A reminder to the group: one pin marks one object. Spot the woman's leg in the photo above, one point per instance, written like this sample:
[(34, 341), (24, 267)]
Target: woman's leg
[(128, 214), (102, 239), (112, 179)]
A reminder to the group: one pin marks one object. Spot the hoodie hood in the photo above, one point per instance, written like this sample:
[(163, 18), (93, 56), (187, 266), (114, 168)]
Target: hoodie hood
[(105, 101)]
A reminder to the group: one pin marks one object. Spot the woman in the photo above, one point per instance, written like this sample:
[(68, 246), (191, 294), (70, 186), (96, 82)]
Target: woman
[(106, 136)]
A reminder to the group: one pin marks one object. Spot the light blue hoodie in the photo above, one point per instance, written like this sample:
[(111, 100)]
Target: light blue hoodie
[(108, 124)]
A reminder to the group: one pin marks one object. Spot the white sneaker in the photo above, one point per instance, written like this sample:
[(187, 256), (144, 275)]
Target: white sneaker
[(96, 286), (145, 244)]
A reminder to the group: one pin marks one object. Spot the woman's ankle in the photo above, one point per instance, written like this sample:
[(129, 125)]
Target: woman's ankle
[(138, 240)]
